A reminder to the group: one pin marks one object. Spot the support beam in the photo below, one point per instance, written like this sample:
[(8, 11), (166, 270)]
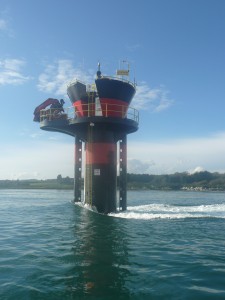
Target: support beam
[(77, 169), (123, 173)]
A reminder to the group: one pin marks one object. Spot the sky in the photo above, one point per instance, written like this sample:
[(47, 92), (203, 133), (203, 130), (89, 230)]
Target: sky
[(176, 52)]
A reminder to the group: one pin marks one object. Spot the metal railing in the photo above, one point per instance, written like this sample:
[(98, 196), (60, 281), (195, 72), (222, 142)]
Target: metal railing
[(51, 114), (90, 110)]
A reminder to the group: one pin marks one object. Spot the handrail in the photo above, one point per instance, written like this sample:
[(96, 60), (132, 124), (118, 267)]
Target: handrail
[(51, 114), (89, 110)]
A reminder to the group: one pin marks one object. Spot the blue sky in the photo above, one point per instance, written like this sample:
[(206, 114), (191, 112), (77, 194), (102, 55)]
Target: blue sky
[(176, 51)]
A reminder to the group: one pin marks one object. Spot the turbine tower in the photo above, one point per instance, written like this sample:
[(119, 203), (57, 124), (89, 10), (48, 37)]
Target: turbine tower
[(100, 119)]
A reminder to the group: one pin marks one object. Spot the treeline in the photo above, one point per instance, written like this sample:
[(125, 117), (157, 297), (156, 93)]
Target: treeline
[(59, 183), (178, 181), (197, 181)]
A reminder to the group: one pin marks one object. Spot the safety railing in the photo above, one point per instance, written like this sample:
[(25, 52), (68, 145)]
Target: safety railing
[(51, 114), (133, 114), (90, 110)]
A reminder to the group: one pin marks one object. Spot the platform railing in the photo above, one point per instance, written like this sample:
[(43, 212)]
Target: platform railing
[(51, 114), (90, 110)]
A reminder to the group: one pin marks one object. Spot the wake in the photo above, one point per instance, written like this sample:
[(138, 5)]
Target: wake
[(163, 211)]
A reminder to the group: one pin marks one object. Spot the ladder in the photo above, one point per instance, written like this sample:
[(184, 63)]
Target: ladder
[(91, 104), (89, 168)]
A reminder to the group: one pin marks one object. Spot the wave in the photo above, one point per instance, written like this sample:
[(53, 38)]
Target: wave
[(163, 211)]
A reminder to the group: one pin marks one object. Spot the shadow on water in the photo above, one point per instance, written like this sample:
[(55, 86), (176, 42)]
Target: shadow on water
[(100, 257)]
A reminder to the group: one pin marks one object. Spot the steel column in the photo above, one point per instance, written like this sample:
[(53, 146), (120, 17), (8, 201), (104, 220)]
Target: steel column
[(123, 173), (77, 169)]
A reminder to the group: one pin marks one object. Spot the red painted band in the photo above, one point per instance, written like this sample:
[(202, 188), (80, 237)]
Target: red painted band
[(84, 109), (113, 107), (100, 153)]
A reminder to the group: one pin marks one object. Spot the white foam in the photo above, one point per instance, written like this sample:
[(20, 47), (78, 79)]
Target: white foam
[(165, 211), (162, 211), (86, 206)]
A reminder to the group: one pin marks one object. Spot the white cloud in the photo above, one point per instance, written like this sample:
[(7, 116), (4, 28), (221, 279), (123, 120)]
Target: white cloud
[(11, 72), (46, 159), (56, 77), (154, 99), (36, 135), (178, 155), (5, 28), (37, 160), (196, 170), (139, 167), (133, 47), (3, 25)]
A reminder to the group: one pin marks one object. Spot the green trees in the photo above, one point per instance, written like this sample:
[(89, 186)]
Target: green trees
[(177, 181)]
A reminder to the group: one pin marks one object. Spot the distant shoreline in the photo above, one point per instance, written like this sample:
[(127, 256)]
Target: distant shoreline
[(128, 189), (201, 181)]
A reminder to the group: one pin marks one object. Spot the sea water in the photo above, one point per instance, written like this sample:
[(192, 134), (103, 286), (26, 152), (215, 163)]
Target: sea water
[(167, 245)]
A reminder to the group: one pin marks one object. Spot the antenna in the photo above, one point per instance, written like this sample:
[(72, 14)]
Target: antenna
[(99, 73)]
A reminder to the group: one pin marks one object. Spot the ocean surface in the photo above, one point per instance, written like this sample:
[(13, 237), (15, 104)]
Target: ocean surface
[(167, 245)]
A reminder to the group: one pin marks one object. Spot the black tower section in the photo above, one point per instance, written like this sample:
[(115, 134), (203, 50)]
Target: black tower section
[(99, 120)]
